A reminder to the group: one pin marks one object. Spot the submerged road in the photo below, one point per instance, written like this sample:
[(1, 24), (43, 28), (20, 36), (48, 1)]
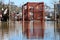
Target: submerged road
[(14, 31)]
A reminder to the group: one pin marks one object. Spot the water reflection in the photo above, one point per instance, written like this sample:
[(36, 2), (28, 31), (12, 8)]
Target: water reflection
[(4, 27), (57, 30), (34, 29), (38, 28), (6, 30), (14, 32)]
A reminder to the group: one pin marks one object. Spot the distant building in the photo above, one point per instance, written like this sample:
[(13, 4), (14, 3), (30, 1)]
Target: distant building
[(57, 10), (57, 16)]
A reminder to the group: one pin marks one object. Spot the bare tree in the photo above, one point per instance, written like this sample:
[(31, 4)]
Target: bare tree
[(12, 3)]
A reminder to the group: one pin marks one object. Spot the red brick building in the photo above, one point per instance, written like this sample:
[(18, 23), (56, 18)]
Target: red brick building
[(37, 8)]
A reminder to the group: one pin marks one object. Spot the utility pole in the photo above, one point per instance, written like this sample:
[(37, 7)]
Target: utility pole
[(59, 1), (59, 18), (9, 18)]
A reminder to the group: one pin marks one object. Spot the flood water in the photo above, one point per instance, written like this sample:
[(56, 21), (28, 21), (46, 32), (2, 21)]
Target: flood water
[(14, 31)]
